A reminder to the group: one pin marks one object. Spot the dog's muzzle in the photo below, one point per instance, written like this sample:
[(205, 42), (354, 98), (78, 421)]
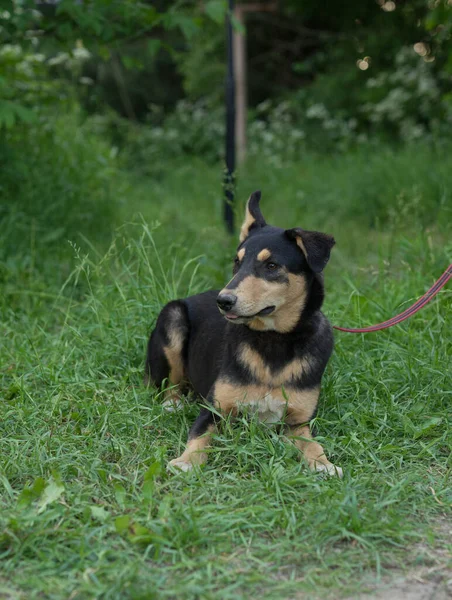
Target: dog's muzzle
[(226, 303)]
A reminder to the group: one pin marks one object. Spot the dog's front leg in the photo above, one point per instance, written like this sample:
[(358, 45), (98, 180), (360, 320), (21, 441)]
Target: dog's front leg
[(223, 398), (312, 451), (199, 439), (301, 408)]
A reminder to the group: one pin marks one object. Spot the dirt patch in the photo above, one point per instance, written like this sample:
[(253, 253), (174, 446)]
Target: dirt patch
[(410, 590), (429, 576)]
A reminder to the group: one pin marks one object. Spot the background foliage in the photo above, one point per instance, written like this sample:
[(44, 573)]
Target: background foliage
[(339, 75), (142, 84)]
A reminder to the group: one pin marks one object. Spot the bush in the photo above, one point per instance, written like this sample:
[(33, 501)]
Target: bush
[(56, 181)]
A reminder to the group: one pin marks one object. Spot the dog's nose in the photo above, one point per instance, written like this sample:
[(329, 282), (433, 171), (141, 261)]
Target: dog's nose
[(226, 301)]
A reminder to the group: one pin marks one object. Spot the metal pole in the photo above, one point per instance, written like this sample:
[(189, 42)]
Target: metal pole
[(230, 127), (239, 49)]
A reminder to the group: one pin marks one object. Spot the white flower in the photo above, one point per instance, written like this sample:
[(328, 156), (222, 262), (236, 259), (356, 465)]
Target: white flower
[(36, 58), (11, 50), (24, 68), (317, 111), (81, 53), (60, 58), (264, 106), (298, 134)]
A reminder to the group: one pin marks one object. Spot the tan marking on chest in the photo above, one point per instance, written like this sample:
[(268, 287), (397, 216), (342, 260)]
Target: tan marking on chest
[(259, 369), (270, 403)]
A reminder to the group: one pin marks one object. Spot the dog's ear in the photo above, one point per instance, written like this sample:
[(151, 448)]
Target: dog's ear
[(315, 246), (253, 216)]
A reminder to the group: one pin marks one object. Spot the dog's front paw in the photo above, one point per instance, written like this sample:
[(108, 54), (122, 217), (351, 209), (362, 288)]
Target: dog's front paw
[(181, 464), (172, 404), (329, 469), (187, 461)]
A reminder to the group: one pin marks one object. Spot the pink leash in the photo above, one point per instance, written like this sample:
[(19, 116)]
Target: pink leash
[(409, 312)]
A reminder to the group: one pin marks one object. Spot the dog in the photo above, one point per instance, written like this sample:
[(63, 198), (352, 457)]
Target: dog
[(260, 344)]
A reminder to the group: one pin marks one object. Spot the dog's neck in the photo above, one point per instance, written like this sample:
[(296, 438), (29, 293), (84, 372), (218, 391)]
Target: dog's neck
[(313, 304)]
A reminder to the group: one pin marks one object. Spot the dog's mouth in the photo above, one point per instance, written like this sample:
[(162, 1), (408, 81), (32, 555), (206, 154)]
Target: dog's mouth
[(262, 313)]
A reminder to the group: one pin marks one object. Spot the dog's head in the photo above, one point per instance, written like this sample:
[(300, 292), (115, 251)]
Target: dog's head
[(273, 272)]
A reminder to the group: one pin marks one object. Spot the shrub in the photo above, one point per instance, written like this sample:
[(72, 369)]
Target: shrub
[(400, 104), (56, 181)]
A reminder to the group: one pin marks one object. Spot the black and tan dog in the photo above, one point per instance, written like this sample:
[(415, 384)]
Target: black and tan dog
[(260, 343)]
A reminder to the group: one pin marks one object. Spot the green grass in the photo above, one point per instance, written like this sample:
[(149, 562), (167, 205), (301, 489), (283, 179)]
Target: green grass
[(87, 508)]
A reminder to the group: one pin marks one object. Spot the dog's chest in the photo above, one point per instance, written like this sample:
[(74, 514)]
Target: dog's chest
[(268, 405), (267, 391), (265, 374)]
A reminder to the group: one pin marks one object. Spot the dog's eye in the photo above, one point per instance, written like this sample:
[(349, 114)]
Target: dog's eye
[(271, 266), (236, 261)]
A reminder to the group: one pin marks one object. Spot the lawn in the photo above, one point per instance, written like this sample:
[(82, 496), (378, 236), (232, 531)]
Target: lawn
[(87, 508)]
